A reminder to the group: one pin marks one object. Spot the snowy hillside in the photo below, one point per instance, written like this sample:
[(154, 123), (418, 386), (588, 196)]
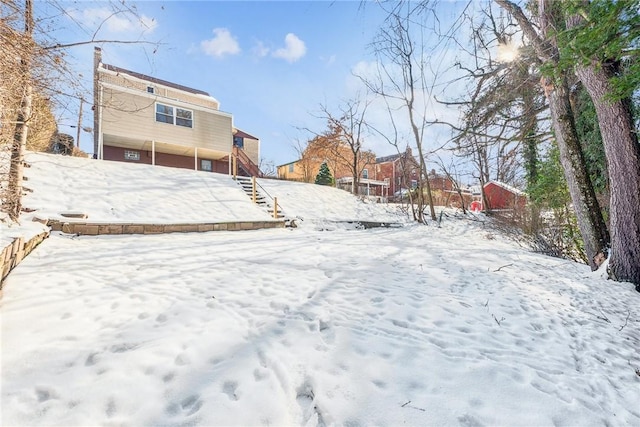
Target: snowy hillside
[(124, 192), (415, 325)]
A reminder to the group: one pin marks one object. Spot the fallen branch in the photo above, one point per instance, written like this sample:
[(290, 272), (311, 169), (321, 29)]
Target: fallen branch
[(506, 265), (625, 321), (406, 404)]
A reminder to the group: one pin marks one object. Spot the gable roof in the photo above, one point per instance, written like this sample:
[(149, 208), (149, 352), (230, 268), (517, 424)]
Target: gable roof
[(290, 163), (507, 187), (154, 80), (242, 134), (390, 158)]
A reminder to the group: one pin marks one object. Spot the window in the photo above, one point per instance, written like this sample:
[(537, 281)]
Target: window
[(131, 155), (238, 141), (291, 166), (150, 89), (184, 118), (205, 165), (164, 114), (365, 174), (174, 115)]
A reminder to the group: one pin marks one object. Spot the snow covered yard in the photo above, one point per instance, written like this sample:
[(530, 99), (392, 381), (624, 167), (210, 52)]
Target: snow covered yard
[(416, 325)]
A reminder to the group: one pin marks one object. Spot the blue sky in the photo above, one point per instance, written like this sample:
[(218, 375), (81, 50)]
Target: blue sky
[(269, 63), (272, 64)]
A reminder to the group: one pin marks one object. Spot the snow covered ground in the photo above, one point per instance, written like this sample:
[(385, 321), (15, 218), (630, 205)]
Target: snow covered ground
[(416, 325)]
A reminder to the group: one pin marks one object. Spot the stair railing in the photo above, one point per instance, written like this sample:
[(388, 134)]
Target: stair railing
[(254, 193), (246, 162)]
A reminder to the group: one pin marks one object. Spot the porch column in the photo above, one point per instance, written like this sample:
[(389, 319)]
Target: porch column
[(195, 160), (100, 153), (153, 151)]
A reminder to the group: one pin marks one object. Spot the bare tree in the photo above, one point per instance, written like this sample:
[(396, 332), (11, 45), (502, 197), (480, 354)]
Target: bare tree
[(25, 43), (32, 66), (348, 128), (306, 160), (403, 78)]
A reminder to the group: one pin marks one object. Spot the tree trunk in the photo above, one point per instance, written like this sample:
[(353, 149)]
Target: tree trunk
[(14, 194), (424, 176), (623, 158), (354, 171), (585, 204), (590, 222)]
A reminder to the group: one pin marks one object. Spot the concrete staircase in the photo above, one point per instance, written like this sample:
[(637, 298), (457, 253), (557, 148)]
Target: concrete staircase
[(263, 199)]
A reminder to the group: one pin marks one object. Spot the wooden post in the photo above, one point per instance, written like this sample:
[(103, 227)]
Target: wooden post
[(234, 161), (253, 185), (275, 207)]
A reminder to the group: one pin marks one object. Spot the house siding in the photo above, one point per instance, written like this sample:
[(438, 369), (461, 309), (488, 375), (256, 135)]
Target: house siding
[(164, 159), (131, 116), (124, 81), (252, 149), (501, 198), (296, 175)]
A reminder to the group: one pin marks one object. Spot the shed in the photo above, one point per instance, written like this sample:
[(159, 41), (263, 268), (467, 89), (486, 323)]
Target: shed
[(501, 196)]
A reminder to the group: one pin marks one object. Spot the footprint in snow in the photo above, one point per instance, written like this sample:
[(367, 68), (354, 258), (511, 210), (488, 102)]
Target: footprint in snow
[(229, 388), (188, 406)]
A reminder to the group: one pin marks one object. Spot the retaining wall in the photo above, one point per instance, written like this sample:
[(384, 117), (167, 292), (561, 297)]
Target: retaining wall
[(16, 251), (93, 229)]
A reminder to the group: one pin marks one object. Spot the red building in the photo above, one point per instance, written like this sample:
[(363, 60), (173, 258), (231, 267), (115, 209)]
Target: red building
[(501, 196), (400, 170)]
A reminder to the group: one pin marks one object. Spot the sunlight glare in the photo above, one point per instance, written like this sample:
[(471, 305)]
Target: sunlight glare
[(507, 52)]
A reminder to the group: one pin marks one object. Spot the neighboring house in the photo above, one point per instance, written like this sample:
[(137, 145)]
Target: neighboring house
[(293, 171), (381, 177), (500, 196), (142, 119), (366, 186), (444, 191), (400, 171)]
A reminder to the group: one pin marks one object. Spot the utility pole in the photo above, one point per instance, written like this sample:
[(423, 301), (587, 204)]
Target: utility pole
[(79, 125)]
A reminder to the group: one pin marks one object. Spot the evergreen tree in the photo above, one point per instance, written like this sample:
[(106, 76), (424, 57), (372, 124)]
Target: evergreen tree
[(324, 176)]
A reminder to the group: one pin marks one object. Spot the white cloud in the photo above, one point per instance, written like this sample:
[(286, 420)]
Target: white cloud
[(113, 22), (260, 50), (328, 61), (294, 49), (222, 44)]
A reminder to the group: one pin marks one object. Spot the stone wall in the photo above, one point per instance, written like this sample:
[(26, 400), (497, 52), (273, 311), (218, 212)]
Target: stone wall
[(16, 251), (92, 229)]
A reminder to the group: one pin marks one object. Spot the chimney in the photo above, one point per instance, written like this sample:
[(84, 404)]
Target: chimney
[(97, 131)]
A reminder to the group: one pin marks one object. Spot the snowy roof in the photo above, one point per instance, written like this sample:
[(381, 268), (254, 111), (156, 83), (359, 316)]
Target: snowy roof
[(154, 80), (507, 187)]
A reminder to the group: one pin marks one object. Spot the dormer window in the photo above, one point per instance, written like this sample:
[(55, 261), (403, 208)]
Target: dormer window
[(151, 89)]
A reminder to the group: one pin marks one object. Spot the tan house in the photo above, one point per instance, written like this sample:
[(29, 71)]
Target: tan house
[(295, 171), (142, 119)]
